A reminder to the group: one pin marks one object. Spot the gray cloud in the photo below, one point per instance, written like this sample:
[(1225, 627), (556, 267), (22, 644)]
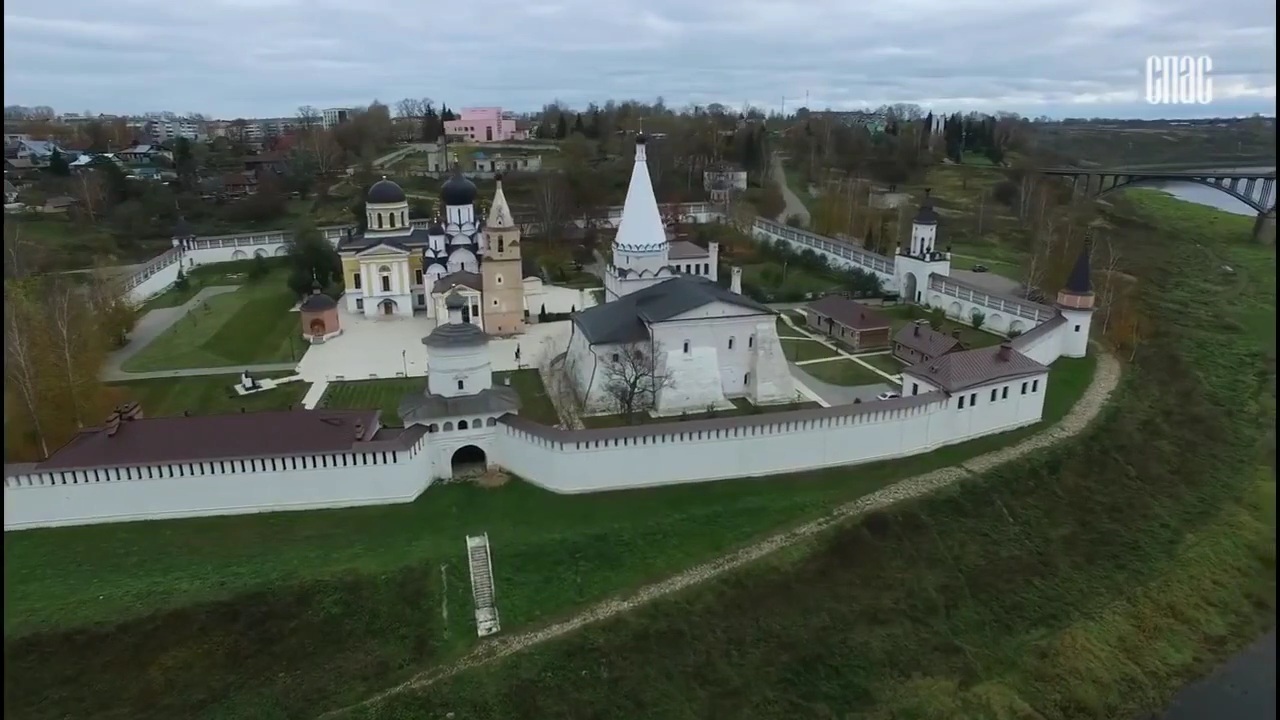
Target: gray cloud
[(230, 58)]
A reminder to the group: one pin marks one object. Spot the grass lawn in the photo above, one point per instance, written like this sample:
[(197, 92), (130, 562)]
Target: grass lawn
[(386, 395), (1089, 581), (535, 403), (209, 395), (383, 394), (797, 350), (886, 362), (249, 326), (236, 272), (844, 372), (904, 315), (795, 282), (288, 614)]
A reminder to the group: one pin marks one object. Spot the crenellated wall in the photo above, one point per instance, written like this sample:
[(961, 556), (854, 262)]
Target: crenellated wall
[(838, 252), (379, 476), (577, 461)]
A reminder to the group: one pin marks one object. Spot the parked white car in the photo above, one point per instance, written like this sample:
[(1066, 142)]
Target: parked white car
[(887, 395)]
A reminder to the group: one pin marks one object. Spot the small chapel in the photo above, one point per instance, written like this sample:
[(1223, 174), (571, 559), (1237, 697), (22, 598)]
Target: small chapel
[(399, 267)]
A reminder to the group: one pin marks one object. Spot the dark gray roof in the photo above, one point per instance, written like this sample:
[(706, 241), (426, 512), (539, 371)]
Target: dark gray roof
[(415, 238), (461, 277), (685, 250), (317, 302), (626, 319), (423, 407), (458, 191), (385, 191), (457, 334), (926, 214), (958, 371), (925, 340)]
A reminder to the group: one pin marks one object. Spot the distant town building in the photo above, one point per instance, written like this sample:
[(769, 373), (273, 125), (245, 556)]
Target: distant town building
[(333, 117), (722, 179), (482, 125), (483, 163)]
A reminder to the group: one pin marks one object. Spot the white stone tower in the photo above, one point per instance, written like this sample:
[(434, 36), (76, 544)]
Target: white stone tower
[(640, 248), (1075, 302), (503, 285), (920, 258), (457, 355)]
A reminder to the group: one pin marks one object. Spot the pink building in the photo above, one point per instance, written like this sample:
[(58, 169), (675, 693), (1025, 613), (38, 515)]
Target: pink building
[(482, 125)]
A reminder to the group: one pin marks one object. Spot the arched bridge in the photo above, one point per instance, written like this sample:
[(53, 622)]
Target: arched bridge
[(1253, 188)]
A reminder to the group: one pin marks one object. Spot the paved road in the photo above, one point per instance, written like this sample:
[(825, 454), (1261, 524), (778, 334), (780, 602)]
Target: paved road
[(838, 394), (794, 205), (1242, 689), (153, 324)]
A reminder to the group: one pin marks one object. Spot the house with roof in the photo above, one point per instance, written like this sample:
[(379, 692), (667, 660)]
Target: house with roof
[(996, 380), (10, 193), (35, 153), (850, 323), (146, 153), (917, 342)]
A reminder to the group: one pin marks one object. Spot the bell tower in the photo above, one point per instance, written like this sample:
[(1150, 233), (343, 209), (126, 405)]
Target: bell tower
[(501, 271)]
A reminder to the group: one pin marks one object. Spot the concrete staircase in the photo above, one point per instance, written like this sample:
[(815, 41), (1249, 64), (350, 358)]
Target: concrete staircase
[(482, 584)]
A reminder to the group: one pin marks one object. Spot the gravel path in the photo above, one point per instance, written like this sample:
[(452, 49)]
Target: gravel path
[(1105, 380)]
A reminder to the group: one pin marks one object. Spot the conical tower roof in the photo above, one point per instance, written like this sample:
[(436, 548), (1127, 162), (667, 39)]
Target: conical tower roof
[(641, 227), (1080, 282), (500, 214)]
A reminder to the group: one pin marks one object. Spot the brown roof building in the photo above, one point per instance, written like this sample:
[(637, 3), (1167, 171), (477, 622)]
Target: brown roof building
[(959, 371), (852, 323), (918, 342)]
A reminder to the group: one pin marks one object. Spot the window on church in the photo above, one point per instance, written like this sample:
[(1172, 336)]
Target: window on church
[(417, 277), (961, 402), (1004, 393), (422, 299), (386, 283), (730, 343), (497, 279), (615, 357), (379, 221), (1024, 388), (751, 341), (746, 379), (355, 280), (915, 388), (1035, 385), (686, 347), (501, 244), (973, 398), (462, 424), (460, 385), (391, 220), (495, 302), (993, 394), (1077, 328)]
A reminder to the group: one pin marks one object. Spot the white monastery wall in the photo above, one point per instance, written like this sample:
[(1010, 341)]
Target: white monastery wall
[(555, 298), (840, 254), (153, 279), (1003, 315), (230, 487), (568, 461)]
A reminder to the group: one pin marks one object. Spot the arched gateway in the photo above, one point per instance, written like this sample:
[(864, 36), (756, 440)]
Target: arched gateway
[(468, 461)]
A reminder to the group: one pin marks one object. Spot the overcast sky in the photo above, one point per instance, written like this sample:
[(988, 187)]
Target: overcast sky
[(255, 58)]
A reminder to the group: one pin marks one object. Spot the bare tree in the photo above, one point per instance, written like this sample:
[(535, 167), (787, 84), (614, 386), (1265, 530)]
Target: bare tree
[(16, 258), (69, 335), (1110, 262), (90, 193), (309, 117), (21, 361), (632, 378), (551, 205), (564, 397), (410, 108)]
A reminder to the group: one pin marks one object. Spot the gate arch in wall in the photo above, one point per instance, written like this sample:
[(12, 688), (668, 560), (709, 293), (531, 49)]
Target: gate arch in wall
[(281, 251), (910, 288), (468, 461), (955, 310), (259, 253), (239, 255)]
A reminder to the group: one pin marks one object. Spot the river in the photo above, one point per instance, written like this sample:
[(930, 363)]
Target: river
[(1214, 198)]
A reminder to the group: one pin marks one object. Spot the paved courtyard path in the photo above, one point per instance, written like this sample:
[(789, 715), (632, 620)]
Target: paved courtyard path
[(1095, 397)]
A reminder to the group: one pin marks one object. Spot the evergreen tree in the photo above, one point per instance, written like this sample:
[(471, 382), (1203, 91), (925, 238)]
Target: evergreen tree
[(596, 130), (58, 165), (577, 125), (312, 259), (562, 128)]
